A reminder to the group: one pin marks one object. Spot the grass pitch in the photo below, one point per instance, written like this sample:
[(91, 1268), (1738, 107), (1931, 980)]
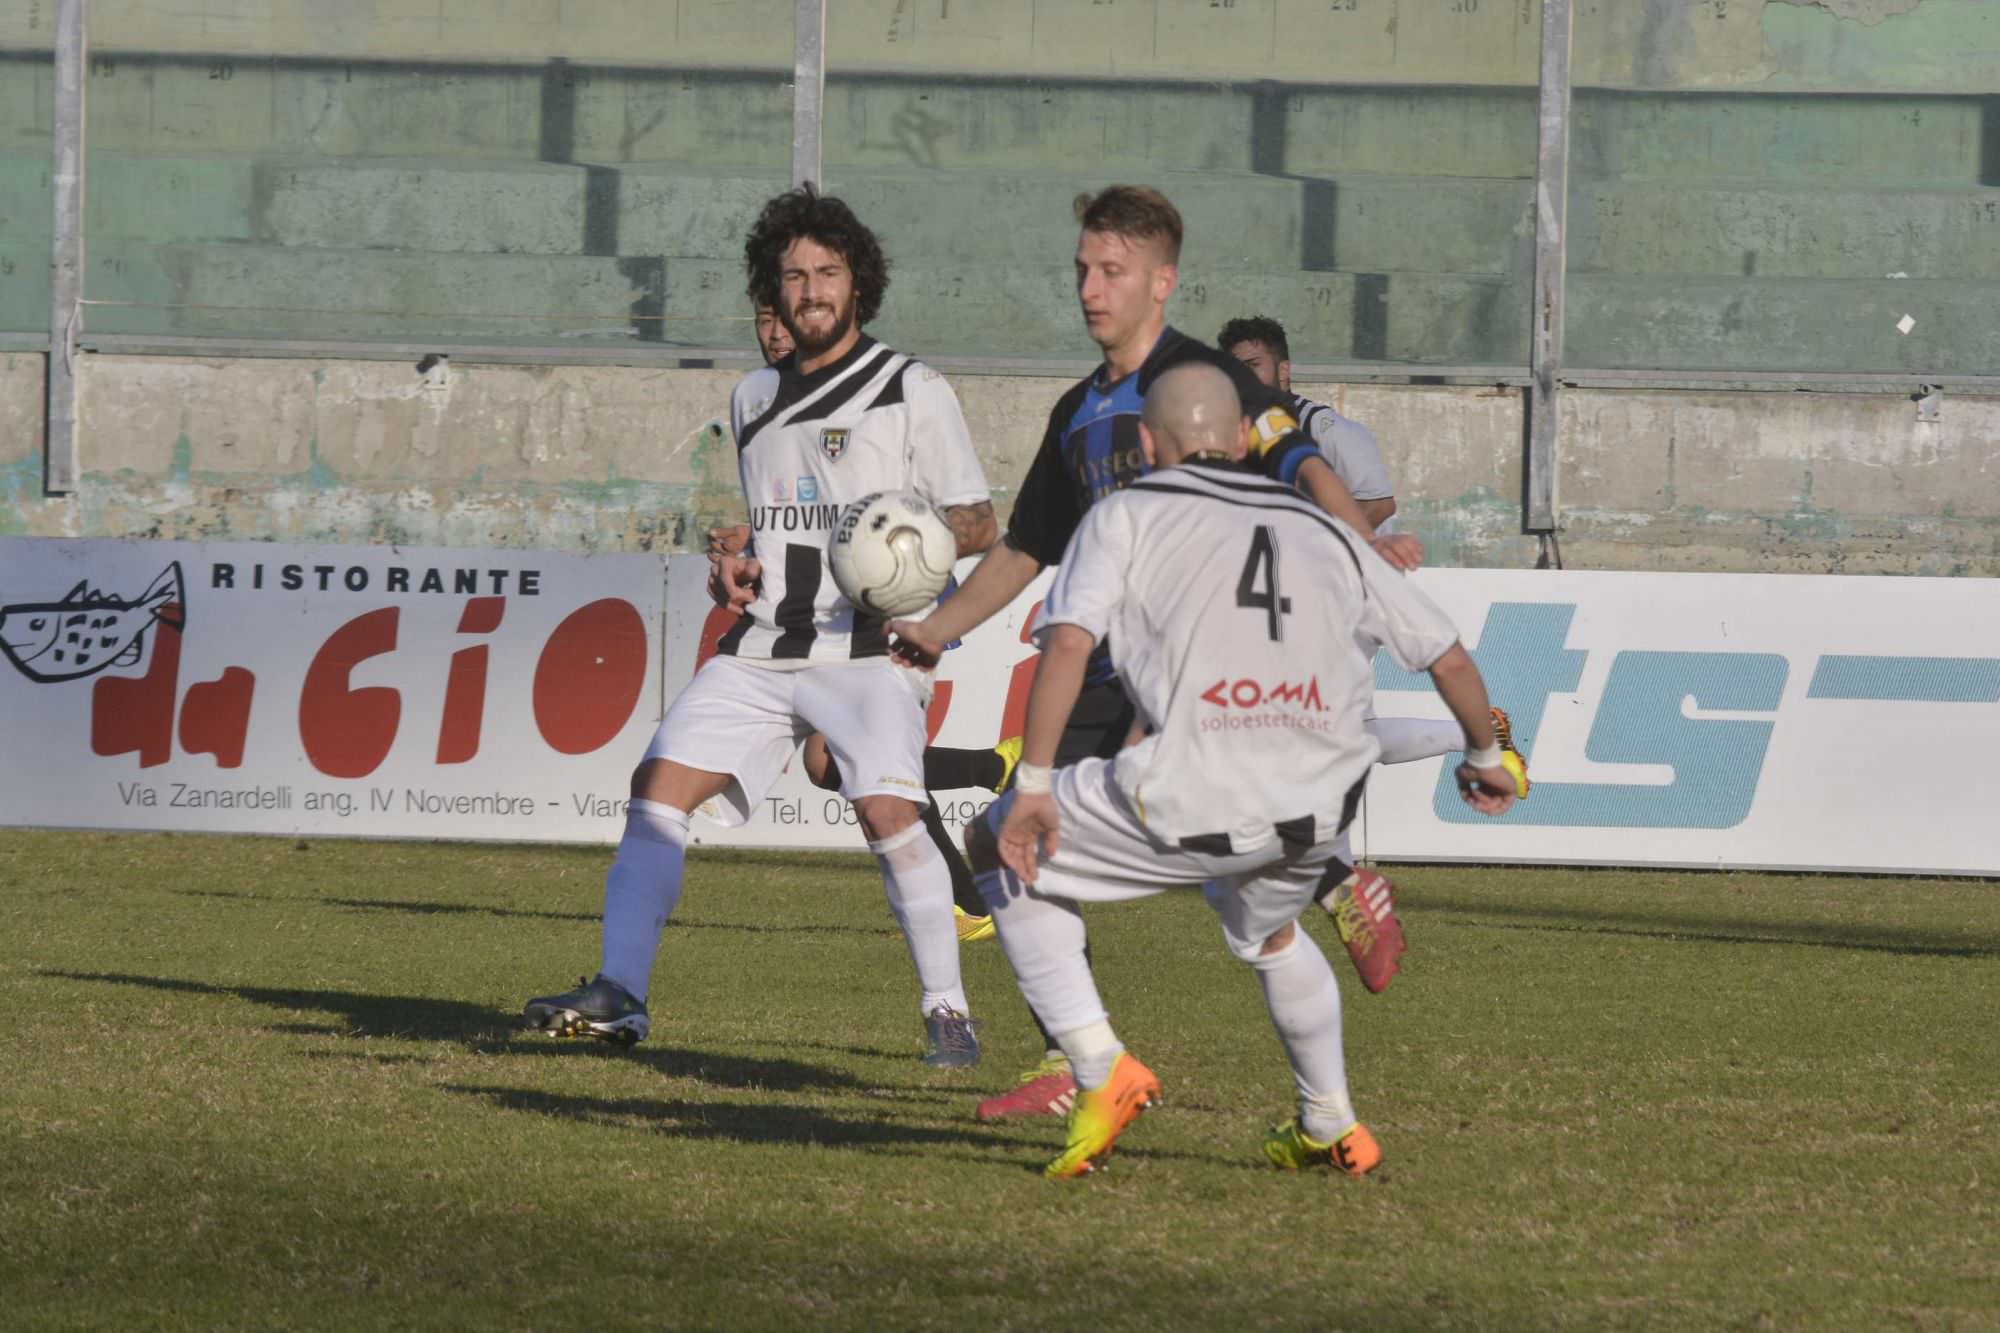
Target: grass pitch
[(257, 1084)]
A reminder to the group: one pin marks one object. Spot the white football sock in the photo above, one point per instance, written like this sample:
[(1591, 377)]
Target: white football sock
[(992, 886), (1408, 738), (1092, 1050), (918, 884), (641, 891), (1304, 1001), (1043, 939)]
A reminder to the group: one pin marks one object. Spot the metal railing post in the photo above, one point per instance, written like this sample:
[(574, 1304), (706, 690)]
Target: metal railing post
[(59, 465), (808, 90), (1551, 214)]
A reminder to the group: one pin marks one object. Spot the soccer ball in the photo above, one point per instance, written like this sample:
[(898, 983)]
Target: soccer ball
[(891, 553)]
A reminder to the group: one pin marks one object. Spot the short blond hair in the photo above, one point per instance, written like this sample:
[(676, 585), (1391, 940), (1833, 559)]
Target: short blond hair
[(1135, 212)]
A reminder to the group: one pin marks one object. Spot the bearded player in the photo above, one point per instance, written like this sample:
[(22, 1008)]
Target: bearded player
[(841, 417)]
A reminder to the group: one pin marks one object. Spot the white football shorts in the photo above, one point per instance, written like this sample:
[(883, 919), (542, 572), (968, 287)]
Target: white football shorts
[(746, 720), (1104, 853)]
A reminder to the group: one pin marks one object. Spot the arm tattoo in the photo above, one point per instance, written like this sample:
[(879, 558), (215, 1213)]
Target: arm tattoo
[(973, 525)]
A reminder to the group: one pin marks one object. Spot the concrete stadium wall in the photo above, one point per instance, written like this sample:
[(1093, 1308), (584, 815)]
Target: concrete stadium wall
[(627, 459), (1756, 185)]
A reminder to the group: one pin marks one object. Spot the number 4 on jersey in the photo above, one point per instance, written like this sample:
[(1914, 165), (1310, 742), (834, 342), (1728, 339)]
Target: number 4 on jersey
[(1263, 564)]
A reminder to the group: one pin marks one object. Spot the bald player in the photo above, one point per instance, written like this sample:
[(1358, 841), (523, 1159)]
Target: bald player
[(1197, 573)]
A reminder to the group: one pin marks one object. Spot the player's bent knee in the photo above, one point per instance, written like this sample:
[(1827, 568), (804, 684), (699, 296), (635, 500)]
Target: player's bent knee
[(664, 782), (1261, 952), (1280, 939), (642, 777), (885, 816)]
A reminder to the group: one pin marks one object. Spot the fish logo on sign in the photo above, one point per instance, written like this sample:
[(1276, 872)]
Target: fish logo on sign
[(833, 441), (88, 630)]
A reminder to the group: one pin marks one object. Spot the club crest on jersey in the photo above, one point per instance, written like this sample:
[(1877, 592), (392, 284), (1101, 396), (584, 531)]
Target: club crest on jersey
[(808, 489), (833, 441)]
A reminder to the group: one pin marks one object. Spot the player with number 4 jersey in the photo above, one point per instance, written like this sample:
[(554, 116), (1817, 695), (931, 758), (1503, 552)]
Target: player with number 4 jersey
[(1235, 612)]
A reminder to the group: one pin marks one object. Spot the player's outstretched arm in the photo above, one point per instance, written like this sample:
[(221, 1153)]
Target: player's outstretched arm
[(1379, 511), (995, 581), (1323, 486), (1031, 827), (1486, 786)]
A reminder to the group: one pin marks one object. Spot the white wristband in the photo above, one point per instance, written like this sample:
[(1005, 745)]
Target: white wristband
[(1034, 779), (1486, 758)]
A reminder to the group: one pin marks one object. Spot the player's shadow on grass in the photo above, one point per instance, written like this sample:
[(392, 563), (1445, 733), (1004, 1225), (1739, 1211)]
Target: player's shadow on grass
[(455, 909), (396, 905), (740, 1122), (357, 1014), (1893, 940), (748, 1073), (784, 1125), (592, 918), (803, 928), (416, 907)]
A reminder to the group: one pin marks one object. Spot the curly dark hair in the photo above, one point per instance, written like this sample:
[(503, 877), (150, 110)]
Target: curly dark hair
[(806, 212), (1255, 329)]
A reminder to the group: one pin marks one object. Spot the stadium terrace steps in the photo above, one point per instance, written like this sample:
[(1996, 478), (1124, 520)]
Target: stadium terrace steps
[(1654, 227), (1732, 324), (732, 118), (1356, 223), (292, 292), (1363, 267)]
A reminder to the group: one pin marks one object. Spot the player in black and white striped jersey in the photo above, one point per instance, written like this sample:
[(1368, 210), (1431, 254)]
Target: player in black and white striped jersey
[(841, 417), (945, 767), (871, 420)]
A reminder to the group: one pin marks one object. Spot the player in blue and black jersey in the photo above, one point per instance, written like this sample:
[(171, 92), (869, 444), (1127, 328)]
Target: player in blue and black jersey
[(1127, 266)]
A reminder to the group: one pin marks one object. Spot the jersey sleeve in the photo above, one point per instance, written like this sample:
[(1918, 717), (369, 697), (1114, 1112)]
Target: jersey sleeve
[(943, 466), (736, 409), (1046, 510), (1399, 615), (1277, 443), (1093, 574), (1350, 447)]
